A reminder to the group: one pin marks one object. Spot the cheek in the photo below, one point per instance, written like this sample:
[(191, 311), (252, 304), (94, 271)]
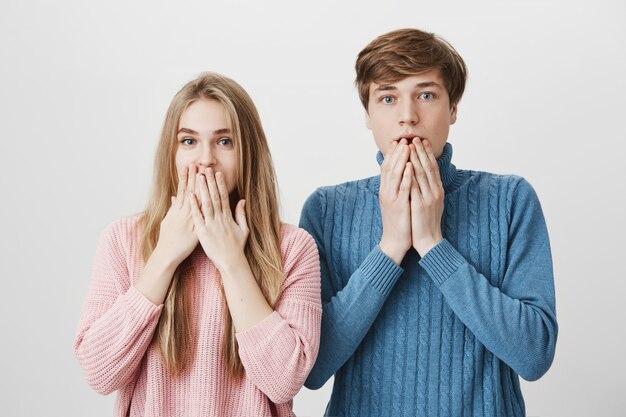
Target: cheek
[(231, 176), (439, 135), (382, 135), (231, 183), (184, 159), (179, 161), (381, 144), (443, 127)]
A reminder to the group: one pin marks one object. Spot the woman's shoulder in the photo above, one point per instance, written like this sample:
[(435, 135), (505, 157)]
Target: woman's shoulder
[(290, 233), (295, 242), (299, 253), (124, 226), (123, 233)]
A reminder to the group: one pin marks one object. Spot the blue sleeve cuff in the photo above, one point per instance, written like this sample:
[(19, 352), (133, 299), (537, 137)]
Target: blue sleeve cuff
[(380, 271), (442, 261)]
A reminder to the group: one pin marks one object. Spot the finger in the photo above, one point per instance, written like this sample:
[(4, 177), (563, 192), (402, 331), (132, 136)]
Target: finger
[(214, 194), (223, 192), (416, 196), (399, 159), (396, 165), (205, 201), (433, 160), (391, 156), (420, 173), (191, 180), (405, 184), (429, 168), (240, 215), (182, 181), (198, 220), (387, 156)]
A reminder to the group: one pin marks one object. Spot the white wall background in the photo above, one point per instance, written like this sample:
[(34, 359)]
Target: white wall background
[(83, 91)]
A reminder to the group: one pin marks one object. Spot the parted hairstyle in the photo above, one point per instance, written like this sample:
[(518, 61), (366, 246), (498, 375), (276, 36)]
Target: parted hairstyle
[(256, 183), (405, 52)]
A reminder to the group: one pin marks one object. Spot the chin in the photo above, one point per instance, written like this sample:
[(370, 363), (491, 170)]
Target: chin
[(439, 152)]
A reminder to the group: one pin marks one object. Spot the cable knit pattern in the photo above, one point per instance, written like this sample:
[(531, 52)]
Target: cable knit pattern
[(113, 344), (444, 335)]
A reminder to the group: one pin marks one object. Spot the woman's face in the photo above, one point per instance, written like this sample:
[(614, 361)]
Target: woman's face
[(205, 139)]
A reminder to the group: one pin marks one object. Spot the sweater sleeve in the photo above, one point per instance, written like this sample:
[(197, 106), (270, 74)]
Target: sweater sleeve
[(278, 352), (117, 321), (516, 322), (348, 312)]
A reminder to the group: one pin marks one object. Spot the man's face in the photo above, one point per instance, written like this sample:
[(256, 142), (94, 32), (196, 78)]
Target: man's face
[(416, 106)]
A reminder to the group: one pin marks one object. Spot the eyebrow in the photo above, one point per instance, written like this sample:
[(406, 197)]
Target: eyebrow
[(193, 132), (424, 84)]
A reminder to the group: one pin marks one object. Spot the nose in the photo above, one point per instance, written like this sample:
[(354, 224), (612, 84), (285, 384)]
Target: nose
[(407, 113), (207, 158)]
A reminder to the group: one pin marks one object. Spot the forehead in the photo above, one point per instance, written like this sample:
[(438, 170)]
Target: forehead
[(204, 114), (431, 79)]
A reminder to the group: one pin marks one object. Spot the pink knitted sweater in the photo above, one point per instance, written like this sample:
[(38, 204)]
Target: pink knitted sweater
[(113, 342)]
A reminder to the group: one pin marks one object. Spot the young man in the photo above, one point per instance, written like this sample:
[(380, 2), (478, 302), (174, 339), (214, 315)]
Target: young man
[(437, 283)]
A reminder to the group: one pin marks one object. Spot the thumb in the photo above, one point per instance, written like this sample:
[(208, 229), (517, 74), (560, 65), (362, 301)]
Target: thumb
[(240, 215)]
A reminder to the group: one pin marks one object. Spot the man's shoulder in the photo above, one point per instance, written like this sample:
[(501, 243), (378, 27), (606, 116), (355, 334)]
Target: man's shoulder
[(368, 184), (485, 179), (510, 189), (338, 198)]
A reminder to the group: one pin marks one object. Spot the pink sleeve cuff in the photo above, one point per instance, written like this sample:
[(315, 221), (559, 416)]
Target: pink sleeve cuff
[(140, 305), (262, 329)]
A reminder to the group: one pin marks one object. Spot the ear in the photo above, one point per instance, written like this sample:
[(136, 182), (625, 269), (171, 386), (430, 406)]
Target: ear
[(453, 114), (367, 120)]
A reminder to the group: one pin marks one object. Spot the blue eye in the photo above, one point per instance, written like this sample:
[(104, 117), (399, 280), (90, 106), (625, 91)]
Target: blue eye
[(225, 141), (187, 141), (387, 99), (427, 96)]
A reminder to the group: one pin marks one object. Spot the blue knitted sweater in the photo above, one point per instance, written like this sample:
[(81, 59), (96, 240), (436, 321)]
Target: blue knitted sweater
[(443, 335)]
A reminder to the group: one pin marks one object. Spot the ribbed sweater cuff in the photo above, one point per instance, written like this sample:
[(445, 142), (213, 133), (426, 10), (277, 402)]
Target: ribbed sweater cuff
[(381, 271), (261, 330), (139, 304), (442, 261)]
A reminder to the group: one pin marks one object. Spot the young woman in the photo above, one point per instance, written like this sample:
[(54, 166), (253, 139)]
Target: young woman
[(193, 310)]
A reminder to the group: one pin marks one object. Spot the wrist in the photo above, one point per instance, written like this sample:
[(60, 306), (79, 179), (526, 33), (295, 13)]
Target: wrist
[(161, 261), (233, 266), (393, 252), (424, 246)]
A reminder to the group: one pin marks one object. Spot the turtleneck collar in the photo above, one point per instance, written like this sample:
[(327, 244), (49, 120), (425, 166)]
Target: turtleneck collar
[(447, 170)]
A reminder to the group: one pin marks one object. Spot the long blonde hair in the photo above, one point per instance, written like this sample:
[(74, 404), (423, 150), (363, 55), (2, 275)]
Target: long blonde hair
[(255, 183)]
